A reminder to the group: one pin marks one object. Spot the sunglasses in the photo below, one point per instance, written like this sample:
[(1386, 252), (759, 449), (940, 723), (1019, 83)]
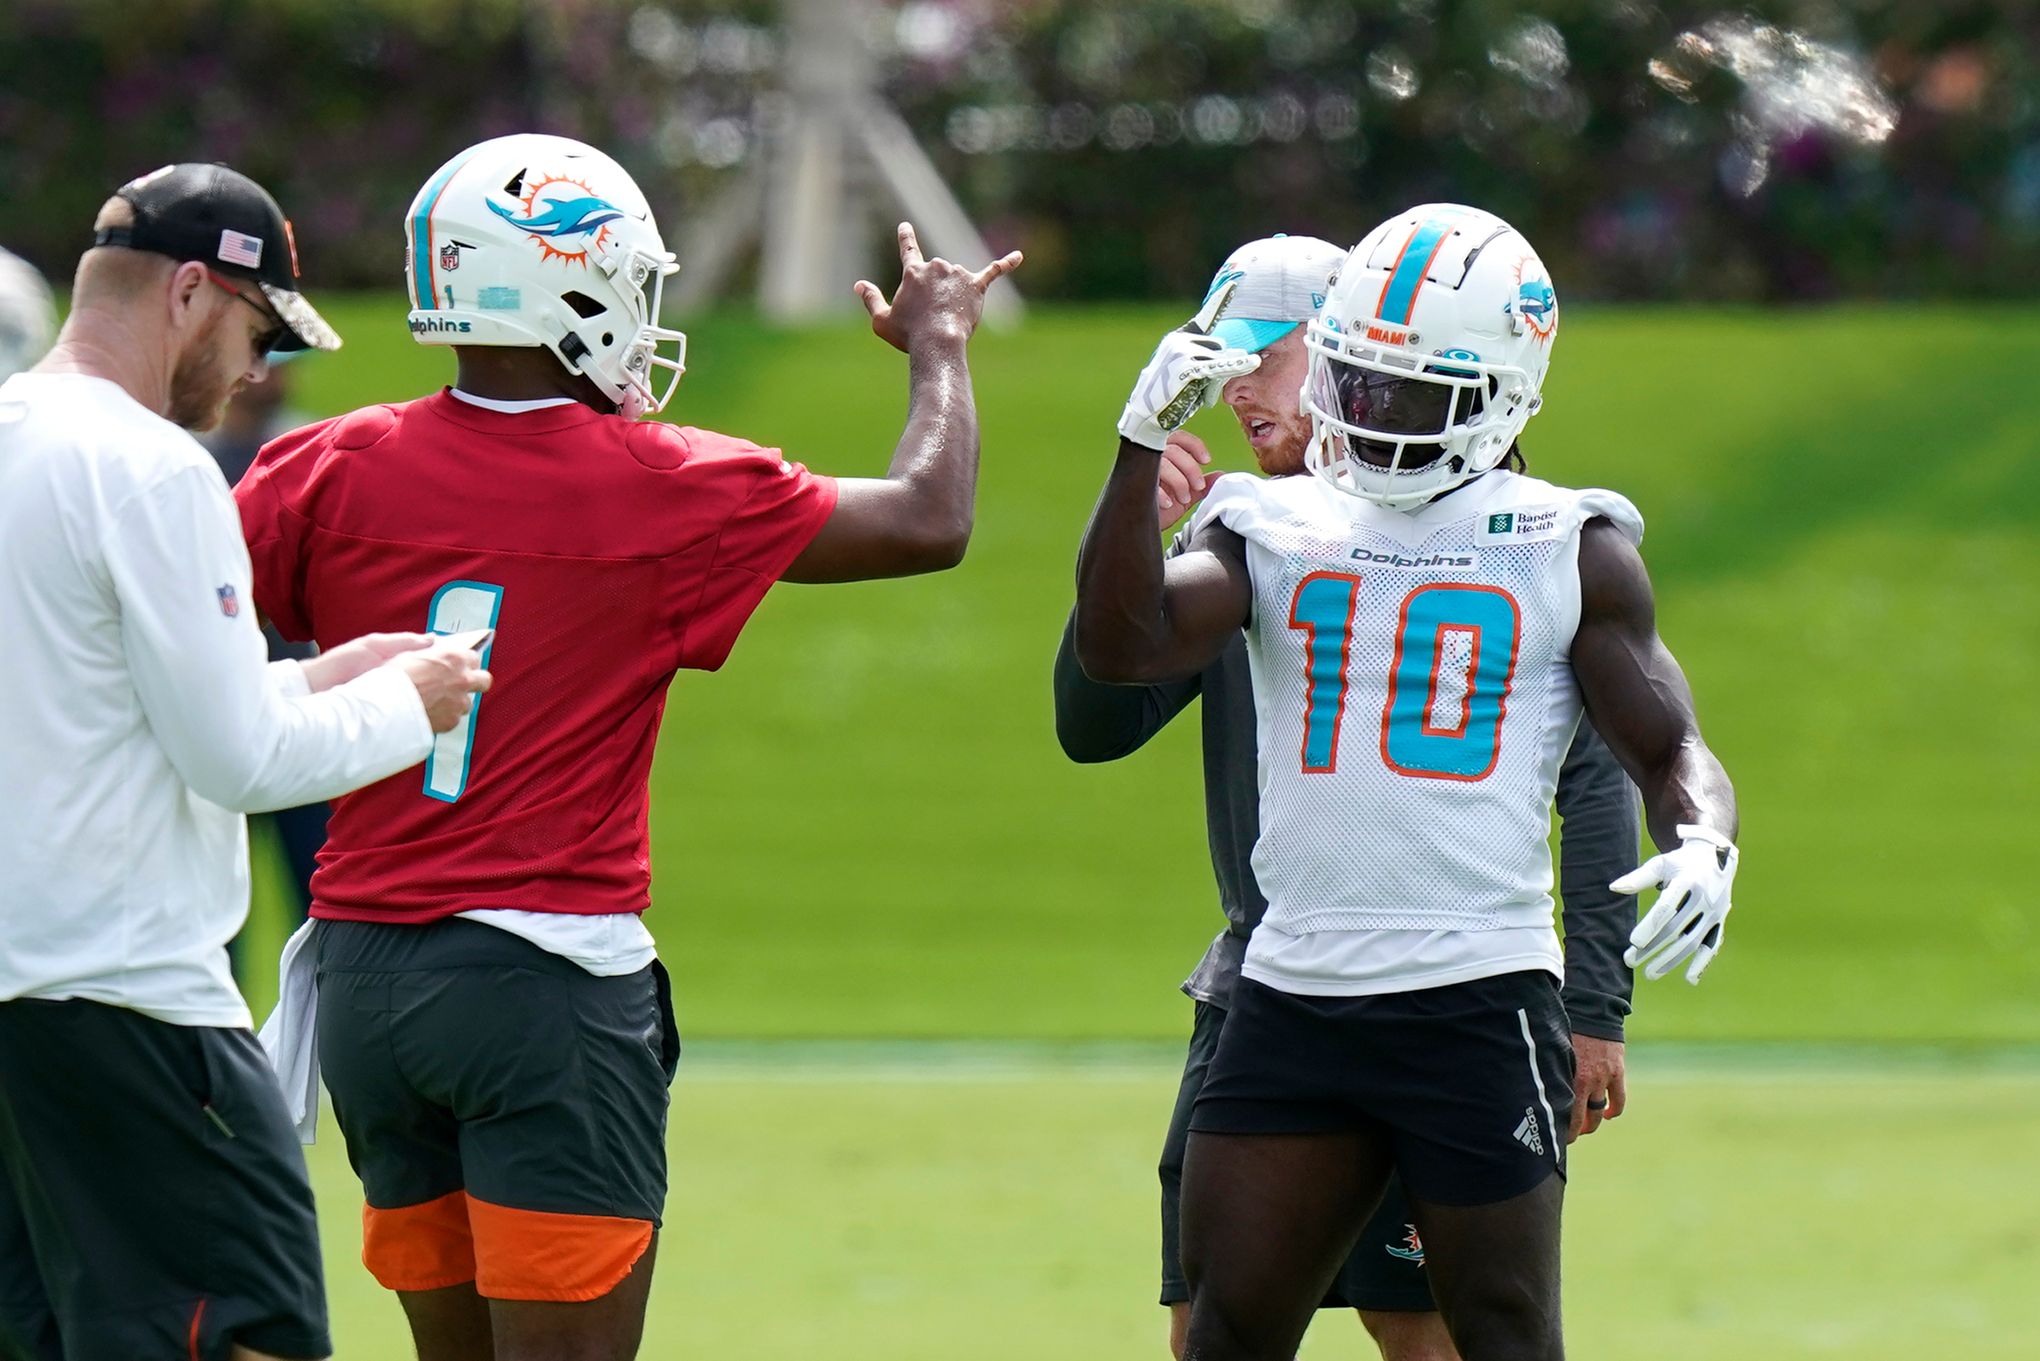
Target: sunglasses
[(265, 340)]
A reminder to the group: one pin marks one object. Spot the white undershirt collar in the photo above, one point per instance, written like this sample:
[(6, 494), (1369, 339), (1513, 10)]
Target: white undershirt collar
[(510, 408)]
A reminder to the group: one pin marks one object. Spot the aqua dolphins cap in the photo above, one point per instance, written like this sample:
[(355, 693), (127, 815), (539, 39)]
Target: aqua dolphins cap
[(1279, 283)]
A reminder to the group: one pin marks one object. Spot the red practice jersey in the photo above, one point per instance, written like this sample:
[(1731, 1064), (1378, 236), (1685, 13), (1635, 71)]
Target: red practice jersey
[(606, 553)]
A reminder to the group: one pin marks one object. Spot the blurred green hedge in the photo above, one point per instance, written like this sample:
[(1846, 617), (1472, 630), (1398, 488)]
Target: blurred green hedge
[(1127, 145)]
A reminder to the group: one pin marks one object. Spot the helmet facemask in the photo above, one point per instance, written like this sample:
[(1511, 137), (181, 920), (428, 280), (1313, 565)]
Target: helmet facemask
[(1399, 427), (625, 368)]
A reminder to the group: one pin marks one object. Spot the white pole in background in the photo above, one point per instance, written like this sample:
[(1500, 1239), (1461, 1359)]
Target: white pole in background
[(826, 144)]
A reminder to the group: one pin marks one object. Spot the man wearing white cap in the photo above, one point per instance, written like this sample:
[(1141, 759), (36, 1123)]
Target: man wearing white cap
[(1266, 290)]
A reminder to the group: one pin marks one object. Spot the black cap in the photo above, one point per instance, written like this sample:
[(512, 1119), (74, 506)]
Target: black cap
[(229, 223)]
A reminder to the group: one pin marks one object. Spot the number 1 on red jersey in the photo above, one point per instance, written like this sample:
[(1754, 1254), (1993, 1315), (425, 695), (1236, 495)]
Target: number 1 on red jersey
[(456, 607)]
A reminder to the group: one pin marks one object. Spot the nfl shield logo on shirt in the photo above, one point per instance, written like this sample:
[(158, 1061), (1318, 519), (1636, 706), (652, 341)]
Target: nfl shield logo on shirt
[(230, 603)]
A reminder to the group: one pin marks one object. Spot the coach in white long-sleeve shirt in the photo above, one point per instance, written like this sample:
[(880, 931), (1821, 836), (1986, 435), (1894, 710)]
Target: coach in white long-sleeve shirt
[(154, 1201), (138, 716)]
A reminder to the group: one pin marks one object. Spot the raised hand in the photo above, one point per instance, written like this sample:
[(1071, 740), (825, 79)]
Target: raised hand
[(1184, 376), (936, 300)]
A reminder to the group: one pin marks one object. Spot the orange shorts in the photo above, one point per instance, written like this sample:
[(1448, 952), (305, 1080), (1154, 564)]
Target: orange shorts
[(509, 1254)]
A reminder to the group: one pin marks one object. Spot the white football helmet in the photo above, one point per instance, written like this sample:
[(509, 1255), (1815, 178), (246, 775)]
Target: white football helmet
[(539, 240), (1429, 355)]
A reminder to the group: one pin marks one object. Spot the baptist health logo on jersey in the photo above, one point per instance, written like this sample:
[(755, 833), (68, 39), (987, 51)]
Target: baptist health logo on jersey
[(1522, 526)]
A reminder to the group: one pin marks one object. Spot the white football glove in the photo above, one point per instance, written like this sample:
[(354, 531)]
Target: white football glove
[(1693, 885), (1185, 375)]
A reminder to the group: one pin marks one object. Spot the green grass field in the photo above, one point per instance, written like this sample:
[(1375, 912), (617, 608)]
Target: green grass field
[(865, 832), (919, 1209)]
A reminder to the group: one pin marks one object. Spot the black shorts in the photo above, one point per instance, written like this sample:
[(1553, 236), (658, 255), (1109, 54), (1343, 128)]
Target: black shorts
[(1386, 1270), (504, 1108), (1471, 1083), (154, 1200)]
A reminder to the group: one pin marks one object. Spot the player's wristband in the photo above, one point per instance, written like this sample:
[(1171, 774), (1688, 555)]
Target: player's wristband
[(1142, 434), (1725, 853)]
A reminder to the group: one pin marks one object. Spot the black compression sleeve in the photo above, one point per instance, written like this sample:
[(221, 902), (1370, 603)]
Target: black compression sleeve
[(1603, 827), (1099, 722)]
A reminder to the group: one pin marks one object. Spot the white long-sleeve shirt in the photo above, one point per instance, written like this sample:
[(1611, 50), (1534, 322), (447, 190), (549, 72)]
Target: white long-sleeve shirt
[(138, 717)]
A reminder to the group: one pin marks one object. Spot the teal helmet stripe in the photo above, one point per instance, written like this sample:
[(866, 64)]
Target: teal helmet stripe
[(425, 291), (1399, 294)]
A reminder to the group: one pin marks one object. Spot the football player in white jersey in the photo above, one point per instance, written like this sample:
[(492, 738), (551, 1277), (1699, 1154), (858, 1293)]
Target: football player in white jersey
[(1423, 629), (1282, 282)]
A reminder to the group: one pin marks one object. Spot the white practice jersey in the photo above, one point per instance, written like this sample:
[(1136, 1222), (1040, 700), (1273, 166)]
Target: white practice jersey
[(1415, 695)]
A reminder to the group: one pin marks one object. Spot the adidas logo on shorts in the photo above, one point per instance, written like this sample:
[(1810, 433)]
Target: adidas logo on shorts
[(1527, 1134)]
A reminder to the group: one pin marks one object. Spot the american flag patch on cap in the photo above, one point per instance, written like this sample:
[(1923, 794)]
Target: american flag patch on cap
[(238, 248)]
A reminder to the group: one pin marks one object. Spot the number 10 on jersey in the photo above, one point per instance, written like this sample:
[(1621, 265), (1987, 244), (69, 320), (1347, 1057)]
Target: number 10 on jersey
[(456, 607), (1448, 686)]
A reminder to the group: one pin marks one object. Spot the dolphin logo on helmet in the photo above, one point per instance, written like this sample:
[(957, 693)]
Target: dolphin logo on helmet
[(1536, 303), (564, 216)]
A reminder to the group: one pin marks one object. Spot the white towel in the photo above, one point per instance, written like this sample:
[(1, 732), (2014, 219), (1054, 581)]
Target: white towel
[(291, 1034)]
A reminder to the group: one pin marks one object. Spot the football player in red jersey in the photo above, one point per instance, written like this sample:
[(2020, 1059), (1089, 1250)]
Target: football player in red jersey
[(491, 1020)]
